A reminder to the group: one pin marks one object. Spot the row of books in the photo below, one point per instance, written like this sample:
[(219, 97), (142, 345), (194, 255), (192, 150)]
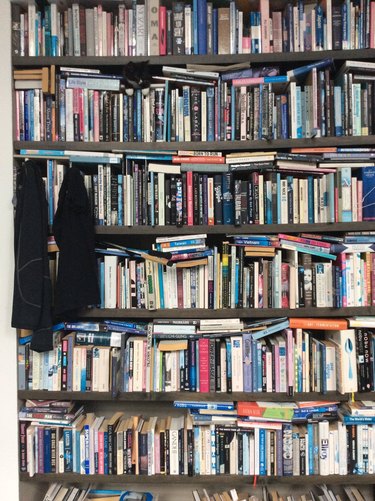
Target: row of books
[(239, 443), (278, 355), (202, 189), (321, 492), (250, 271), (195, 105), (199, 28)]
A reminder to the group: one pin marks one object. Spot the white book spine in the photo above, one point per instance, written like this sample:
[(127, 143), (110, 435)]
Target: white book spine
[(323, 436), (76, 33), (237, 363)]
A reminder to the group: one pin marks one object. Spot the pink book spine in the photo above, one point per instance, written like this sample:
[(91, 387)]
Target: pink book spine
[(101, 452), (359, 199), (277, 31), (204, 365), (303, 240), (96, 116), (244, 82), (285, 285), (290, 360), (265, 24), (246, 43), (277, 368), (365, 286), (189, 180), (163, 30), (341, 262)]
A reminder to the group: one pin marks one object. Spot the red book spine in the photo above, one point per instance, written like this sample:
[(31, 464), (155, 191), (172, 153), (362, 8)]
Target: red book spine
[(176, 159), (163, 30), (204, 365), (190, 208), (81, 114)]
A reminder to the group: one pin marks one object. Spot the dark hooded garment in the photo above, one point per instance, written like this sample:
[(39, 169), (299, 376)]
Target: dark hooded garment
[(32, 284), (77, 283)]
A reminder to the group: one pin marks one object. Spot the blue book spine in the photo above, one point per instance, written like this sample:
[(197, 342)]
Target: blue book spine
[(197, 448), (106, 464), (47, 450), (228, 204), (284, 117), (196, 366), (161, 286), (26, 96), (68, 450), (310, 192), (344, 14), (83, 379), (47, 31), (139, 115), (210, 114), (259, 367), (299, 112), (323, 352), (368, 193), (192, 365), (202, 27), (287, 450), (246, 454), (50, 191), (87, 449), (310, 452), (215, 18), (101, 283), (319, 28), (120, 200), (126, 118), (268, 200), (262, 452), (195, 27)]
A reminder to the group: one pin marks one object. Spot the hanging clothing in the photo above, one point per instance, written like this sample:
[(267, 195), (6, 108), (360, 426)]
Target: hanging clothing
[(77, 283), (32, 294)]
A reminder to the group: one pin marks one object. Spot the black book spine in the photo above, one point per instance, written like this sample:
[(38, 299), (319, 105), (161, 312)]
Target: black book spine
[(167, 201), (264, 369), (195, 113), (162, 451), (49, 105), (190, 452), (301, 289), (169, 33), (22, 445), (179, 202), (196, 198), (178, 28), (88, 369), (115, 118), (173, 190), (246, 199), (302, 454), (53, 450), (240, 253), (251, 281), (114, 200), (237, 202), (131, 117), (272, 436), (181, 450), (240, 453), (111, 455), (336, 27), (200, 200), (184, 198), (218, 199), (205, 199), (156, 199), (107, 116), (16, 29)]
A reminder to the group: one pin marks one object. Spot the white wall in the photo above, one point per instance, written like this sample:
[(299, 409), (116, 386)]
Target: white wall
[(8, 373)]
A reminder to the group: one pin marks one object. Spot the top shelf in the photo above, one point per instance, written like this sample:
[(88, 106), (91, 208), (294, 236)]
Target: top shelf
[(266, 58)]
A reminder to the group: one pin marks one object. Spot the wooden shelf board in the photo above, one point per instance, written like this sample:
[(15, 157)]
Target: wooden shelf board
[(280, 58), (208, 145), (227, 313), (236, 230), (188, 396), (199, 480)]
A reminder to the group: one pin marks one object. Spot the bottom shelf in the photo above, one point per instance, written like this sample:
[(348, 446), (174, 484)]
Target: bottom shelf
[(199, 480)]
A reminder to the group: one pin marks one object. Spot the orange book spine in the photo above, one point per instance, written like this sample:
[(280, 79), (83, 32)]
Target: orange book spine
[(318, 323)]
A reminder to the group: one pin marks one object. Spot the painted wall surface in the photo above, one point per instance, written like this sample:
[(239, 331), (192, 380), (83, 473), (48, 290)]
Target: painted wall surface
[(8, 373)]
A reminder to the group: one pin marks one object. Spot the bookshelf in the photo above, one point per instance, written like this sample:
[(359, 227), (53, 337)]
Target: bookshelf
[(162, 401)]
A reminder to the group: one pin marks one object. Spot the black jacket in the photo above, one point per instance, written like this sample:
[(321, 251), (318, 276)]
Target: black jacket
[(32, 285), (77, 284)]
